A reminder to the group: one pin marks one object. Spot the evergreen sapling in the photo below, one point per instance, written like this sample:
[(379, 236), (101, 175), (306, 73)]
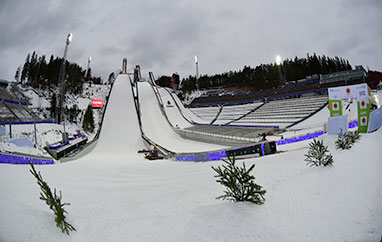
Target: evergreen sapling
[(239, 183), (54, 202), (346, 141), (354, 136), (317, 154), (343, 141)]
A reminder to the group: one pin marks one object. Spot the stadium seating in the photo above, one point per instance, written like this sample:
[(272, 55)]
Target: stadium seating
[(281, 113), (11, 109)]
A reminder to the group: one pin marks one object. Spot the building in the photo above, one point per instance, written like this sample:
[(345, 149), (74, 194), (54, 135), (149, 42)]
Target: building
[(349, 77)]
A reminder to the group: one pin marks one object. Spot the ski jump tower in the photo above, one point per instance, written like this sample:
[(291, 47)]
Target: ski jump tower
[(124, 66)]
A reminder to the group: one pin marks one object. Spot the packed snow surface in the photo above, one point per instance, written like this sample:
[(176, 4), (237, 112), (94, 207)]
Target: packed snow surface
[(116, 195)]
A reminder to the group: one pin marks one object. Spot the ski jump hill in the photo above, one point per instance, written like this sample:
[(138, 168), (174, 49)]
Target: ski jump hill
[(123, 134)]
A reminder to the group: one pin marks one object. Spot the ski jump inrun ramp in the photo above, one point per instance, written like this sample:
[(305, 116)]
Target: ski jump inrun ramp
[(121, 133)]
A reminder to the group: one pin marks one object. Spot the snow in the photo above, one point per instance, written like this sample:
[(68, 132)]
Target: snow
[(48, 134), (116, 195)]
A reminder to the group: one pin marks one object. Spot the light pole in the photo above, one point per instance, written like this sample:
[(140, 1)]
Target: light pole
[(89, 59), (61, 80), (278, 63), (197, 74)]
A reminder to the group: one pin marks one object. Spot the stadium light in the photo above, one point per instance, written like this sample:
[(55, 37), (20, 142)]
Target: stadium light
[(89, 59), (278, 63), (61, 81), (197, 74), (69, 38), (278, 60)]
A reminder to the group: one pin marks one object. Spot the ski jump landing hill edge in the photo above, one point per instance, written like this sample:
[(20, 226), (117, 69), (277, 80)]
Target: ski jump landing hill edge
[(122, 135)]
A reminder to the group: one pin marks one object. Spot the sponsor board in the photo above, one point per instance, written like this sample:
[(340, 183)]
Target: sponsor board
[(335, 107), (97, 103), (363, 114), (358, 91)]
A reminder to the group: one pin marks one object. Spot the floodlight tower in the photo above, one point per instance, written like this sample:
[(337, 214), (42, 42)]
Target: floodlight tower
[(278, 60), (278, 63), (61, 80), (89, 59), (197, 74)]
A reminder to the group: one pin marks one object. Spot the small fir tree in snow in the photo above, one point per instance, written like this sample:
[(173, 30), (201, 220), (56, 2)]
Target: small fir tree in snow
[(346, 141), (54, 202), (343, 142), (239, 183), (317, 154), (354, 136), (88, 123)]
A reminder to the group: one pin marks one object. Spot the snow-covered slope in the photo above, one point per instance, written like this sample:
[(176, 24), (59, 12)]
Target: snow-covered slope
[(116, 195), (157, 128)]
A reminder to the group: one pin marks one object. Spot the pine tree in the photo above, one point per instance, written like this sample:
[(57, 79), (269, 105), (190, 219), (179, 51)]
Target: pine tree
[(317, 154), (88, 123), (239, 183), (354, 136), (88, 74), (24, 73), (54, 202), (53, 105), (343, 141), (17, 74)]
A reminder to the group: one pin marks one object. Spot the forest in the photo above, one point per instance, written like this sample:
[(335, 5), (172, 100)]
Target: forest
[(265, 76), (38, 72)]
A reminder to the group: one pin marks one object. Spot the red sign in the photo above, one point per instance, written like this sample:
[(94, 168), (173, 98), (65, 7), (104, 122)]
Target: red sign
[(97, 103)]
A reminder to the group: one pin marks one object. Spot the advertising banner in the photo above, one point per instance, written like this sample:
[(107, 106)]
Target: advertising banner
[(363, 115), (97, 103), (358, 91), (335, 107)]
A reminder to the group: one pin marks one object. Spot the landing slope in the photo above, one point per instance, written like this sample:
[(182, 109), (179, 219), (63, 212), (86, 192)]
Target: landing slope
[(156, 127), (120, 135)]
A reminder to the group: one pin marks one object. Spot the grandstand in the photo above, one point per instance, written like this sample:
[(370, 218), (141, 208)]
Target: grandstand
[(275, 113), (248, 123), (250, 114), (208, 114), (14, 110), (292, 90), (229, 114), (283, 113)]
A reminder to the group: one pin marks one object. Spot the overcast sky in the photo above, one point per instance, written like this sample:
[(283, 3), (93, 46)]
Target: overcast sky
[(164, 36)]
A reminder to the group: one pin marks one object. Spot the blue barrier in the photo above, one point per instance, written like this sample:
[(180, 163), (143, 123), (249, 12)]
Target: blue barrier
[(300, 138), (76, 137), (353, 124), (58, 146), (202, 157), (239, 125), (11, 101), (21, 160), (29, 122)]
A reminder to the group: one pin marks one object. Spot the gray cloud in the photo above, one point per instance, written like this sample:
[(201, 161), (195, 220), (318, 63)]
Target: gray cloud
[(164, 36)]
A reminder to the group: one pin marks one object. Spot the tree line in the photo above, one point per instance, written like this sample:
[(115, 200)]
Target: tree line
[(265, 76), (40, 73)]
